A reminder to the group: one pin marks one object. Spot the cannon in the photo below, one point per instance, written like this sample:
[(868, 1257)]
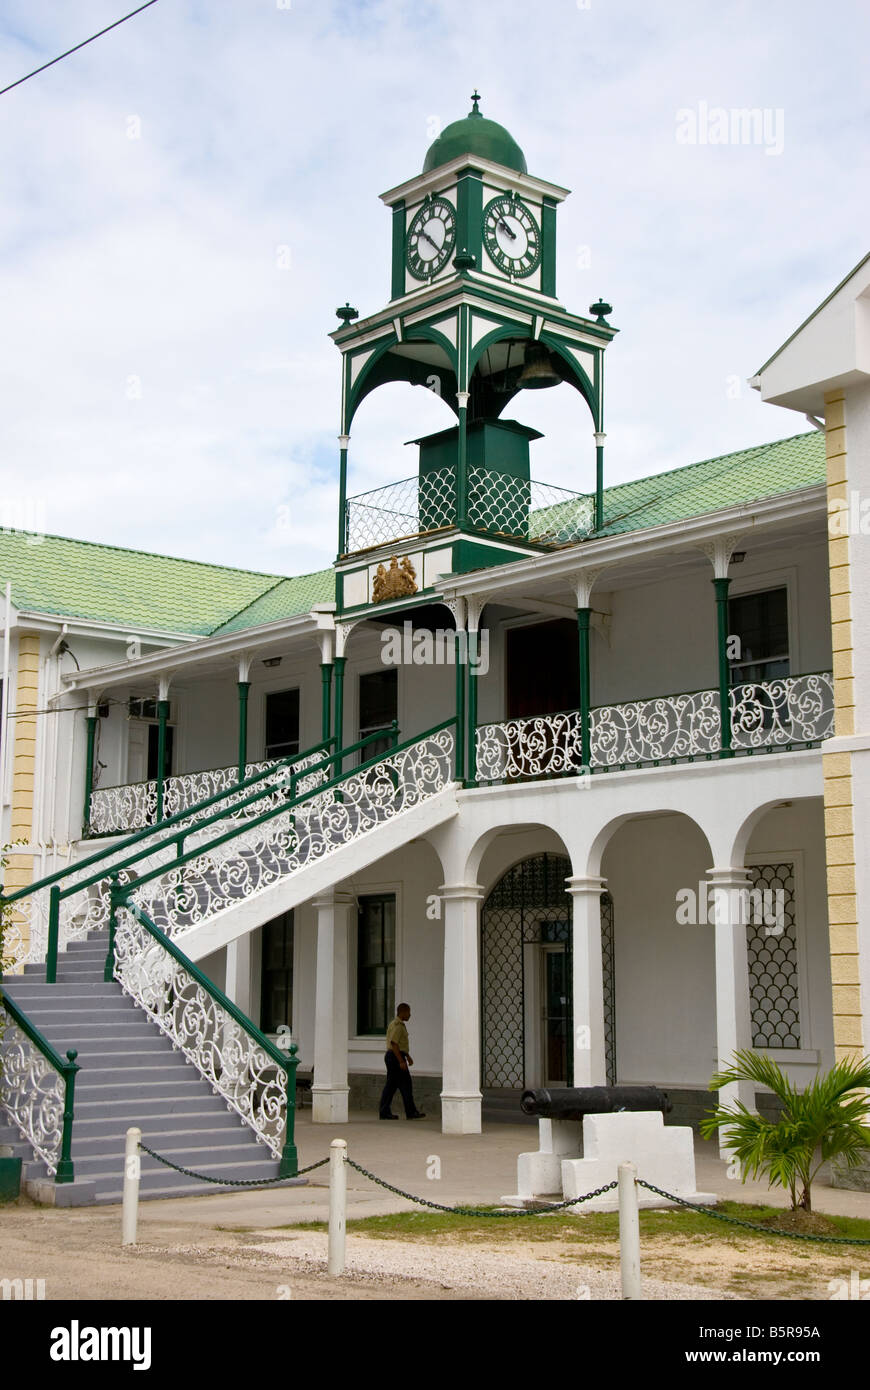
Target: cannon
[(576, 1102), (586, 1132)]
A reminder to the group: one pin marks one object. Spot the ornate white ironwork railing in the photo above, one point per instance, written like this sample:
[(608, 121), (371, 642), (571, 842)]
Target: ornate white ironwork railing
[(764, 715), (134, 805), (36, 1089), (794, 709), (233, 1056), (256, 857), (542, 747), (647, 731), (81, 912)]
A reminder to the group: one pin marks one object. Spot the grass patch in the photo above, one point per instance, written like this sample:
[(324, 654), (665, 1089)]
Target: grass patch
[(671, 1223)]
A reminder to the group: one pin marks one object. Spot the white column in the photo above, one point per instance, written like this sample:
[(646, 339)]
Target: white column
[(461, 1098), (237, 982), (329, 1089), (726, 909), (590, 1063)]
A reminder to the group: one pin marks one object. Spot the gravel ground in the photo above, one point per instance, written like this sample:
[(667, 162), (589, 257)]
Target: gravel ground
[(515, 1272)]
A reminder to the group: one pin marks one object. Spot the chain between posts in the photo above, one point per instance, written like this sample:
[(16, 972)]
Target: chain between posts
[(230, 1182), (526, 1211)]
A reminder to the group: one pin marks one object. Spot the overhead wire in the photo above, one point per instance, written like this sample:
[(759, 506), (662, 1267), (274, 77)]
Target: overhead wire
[(76, 47)]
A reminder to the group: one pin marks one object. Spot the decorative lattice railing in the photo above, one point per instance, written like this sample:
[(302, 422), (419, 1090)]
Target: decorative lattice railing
[(499, 503), (250, 859), (795, 711), (255, 1078), (73, 902), (37, 1089)]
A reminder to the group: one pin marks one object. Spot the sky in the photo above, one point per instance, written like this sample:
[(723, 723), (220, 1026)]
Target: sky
[(188, 199)]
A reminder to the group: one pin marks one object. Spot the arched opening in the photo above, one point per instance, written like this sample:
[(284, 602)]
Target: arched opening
[(526, 977)]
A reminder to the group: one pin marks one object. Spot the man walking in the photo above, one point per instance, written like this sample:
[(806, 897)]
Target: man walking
[(398, 1069)]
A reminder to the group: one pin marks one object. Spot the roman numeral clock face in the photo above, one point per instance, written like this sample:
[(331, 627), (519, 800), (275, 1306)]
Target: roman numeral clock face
[(431, 238), (512, 236)]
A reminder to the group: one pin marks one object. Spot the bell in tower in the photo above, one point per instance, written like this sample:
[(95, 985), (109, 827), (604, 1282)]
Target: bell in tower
[(473, 314)]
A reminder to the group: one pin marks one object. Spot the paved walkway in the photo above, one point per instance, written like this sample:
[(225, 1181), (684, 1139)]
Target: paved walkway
[(475, 1169)]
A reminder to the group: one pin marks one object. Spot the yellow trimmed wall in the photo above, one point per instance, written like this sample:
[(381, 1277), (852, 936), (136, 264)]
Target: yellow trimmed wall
[(21, 731), (837, 767)]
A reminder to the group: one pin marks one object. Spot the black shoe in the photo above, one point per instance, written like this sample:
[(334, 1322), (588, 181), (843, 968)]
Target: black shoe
[(388, 1117), (417, 1115)]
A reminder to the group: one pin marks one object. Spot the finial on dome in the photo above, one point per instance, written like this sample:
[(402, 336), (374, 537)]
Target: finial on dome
[(475, 97)]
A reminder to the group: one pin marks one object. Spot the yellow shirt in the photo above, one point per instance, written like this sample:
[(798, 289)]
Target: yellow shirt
[(397, 1033)]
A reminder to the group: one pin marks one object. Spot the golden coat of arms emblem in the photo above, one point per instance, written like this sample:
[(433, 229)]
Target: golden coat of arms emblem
[(396, 582)]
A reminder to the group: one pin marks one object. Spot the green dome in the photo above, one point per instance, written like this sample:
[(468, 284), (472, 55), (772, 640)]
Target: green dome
[(476, 135)]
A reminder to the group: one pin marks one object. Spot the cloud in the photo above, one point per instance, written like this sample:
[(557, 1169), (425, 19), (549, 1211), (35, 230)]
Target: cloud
[(189, 198)]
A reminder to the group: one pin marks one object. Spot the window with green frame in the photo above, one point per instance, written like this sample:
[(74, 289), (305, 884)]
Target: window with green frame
[(376, 964), (276, 992)]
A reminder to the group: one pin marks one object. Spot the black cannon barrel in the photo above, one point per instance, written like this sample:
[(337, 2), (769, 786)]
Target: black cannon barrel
[(574, 1102)]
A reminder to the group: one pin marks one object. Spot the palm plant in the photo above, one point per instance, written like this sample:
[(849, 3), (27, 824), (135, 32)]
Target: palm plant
[(828, 1120)]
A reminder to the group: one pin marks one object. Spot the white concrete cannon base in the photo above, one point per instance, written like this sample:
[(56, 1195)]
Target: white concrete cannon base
[(664, 1156)]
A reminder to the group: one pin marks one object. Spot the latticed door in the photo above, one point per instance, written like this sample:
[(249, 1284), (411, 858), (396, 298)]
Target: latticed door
[(527, 912)]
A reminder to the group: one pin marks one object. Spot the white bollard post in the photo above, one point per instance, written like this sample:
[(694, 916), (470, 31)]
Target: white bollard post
[(629, 1231), (130, 1207), (337, 1206)]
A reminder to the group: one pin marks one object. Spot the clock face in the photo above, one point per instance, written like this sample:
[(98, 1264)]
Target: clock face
[(431, 238), (512, 236)]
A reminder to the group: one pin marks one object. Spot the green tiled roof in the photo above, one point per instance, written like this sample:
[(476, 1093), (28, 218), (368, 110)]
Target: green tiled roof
[(137, 590), (767, 470), (79, 579), (283, 600)]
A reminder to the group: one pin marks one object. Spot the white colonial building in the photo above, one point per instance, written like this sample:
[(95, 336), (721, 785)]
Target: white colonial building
[(515, 758)]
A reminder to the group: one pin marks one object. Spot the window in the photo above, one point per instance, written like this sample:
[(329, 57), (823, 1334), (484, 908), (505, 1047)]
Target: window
[(378, 707), (760, 621), (376, 964), (276, 992), (153, 737), (282, 723)]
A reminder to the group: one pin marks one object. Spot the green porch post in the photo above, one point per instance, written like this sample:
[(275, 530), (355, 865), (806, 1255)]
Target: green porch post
[(473, 656), (162, 716), (339, 708), (89, 769), (721, 588), (325, 698), (244, 688), (599, 479), (462, 463), (344, 441), (583, 615), (460, 707)]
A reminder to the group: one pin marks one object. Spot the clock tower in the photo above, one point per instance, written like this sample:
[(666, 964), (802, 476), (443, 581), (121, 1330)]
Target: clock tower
[(473, 315)]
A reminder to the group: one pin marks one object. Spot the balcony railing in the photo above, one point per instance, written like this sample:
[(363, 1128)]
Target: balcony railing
[(134, 805), (766, 716), (498, 503)]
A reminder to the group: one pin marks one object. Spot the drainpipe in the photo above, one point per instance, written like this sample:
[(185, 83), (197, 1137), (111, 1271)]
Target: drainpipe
[(4, 709), (600, 437)]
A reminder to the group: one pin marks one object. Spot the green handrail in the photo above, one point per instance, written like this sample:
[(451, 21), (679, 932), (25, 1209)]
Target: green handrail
[(57, 894), (293, 802), (286, 1060), (149, 830), (65, 1171)]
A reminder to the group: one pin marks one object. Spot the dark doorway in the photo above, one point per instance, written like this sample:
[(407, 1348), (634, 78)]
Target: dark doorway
[(543, 669)]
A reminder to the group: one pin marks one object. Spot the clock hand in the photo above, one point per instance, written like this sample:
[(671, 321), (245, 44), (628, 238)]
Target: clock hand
[(426, 237), (504, 226)]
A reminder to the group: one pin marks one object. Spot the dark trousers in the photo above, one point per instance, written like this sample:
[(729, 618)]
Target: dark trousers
[(397, 1080)]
